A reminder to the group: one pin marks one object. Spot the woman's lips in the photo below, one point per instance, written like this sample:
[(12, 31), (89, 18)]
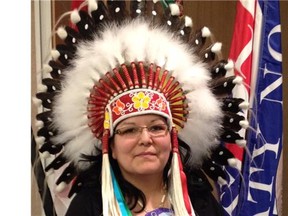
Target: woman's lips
[(143, 154)]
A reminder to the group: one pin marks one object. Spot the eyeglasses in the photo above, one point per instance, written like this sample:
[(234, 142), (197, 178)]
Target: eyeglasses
[(156, 130)]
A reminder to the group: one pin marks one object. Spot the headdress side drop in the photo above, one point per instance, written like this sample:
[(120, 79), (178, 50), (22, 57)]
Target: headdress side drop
[(117, 64)]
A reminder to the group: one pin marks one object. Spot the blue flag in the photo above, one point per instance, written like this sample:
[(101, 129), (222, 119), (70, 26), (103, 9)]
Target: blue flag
[(258, 195)]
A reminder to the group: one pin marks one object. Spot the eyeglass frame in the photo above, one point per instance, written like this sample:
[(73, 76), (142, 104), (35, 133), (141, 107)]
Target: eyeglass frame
[(139, 130)]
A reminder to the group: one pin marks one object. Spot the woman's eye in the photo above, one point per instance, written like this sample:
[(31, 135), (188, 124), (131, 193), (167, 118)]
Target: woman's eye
[(157, 128), (129, 131)]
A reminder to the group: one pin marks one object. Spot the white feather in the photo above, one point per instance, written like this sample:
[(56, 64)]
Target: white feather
[(201, 130)]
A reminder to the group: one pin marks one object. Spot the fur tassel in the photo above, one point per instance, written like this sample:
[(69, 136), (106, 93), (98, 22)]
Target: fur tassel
[(110, 207), (181, 201), (175, 188)]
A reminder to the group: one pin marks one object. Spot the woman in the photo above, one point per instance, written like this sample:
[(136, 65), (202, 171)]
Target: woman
[(141, 97), (141, 157)]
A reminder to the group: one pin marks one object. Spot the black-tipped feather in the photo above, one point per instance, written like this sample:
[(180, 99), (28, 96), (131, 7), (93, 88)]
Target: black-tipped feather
[(221, 155), (46, 98), (213, 170), (73, 37), (52, 84), (117, 10), (45, 132), (57, 69), (197, 41), (100, 16), (66, 53), (230, 136), (137, 8), (58, 162), (223, 86), (49, 147), (218, 70), (86, 25), (184, 31), (67, 175), (45, 117), (232, 121), (232, 104)]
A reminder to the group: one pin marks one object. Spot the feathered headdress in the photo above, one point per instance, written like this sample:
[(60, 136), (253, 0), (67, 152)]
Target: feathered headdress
[(118, 63)]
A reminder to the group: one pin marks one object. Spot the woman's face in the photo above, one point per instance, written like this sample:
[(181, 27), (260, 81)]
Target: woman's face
[(140, 150)]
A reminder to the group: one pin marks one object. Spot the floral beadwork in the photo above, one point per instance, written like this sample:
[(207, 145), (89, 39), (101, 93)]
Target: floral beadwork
[(107, 120), (138, 100), (141, 101), (118, 109), (160, 103)]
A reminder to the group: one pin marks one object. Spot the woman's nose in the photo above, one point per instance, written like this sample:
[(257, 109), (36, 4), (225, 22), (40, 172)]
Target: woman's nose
[(145, 137)]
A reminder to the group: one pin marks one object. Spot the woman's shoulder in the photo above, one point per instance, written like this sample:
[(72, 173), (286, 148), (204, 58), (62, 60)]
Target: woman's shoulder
[(87, 202), (200, 192)]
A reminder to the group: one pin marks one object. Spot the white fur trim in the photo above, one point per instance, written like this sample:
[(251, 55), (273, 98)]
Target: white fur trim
[(61, 32), (175, 10), (238, 80), (75, 17), (244, 124), (241, 143), (59, 188), (244, 105), (45, 155), (216, 48), (188, 21), (229, 65), (55, 54), (232, 162), (221, 181), (205, 32), (47, 68), (92, 5)]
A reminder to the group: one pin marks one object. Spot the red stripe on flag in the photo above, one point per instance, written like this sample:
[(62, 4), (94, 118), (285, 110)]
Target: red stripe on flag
[(242, 40)]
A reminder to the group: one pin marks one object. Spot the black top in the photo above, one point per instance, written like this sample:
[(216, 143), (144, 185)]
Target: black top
[(88, 201)]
